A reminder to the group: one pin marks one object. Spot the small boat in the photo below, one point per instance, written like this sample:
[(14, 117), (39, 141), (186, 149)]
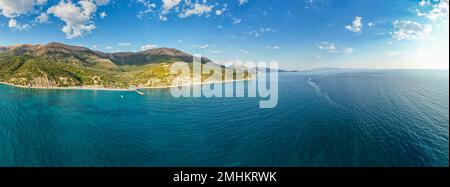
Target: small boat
[(140, 93)]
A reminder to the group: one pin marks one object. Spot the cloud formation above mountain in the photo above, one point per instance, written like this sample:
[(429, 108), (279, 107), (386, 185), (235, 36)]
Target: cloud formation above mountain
[(14, 8)]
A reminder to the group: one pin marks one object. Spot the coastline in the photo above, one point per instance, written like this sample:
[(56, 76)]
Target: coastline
[(93, 88)]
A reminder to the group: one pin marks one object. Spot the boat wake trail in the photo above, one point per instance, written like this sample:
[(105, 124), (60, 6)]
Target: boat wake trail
[(321, 93)]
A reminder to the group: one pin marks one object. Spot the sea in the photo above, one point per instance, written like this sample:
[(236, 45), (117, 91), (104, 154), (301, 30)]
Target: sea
[(324, 118)]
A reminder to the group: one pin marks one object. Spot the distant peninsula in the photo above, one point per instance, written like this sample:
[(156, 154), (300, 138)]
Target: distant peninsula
[(58, 65)]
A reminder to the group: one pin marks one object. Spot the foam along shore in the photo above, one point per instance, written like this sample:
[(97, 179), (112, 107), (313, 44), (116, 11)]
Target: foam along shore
[(121, 89)]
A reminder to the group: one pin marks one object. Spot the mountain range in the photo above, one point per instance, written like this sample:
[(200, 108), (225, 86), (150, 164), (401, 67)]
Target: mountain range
[(60, 65)]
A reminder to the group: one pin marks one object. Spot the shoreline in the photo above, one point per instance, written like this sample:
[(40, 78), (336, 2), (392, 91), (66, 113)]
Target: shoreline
[(93, 88)]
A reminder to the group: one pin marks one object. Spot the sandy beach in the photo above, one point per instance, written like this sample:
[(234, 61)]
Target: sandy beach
[(120, 89)]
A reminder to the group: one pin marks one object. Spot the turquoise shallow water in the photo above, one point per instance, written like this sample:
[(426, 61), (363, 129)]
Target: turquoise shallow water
[(376, 118)]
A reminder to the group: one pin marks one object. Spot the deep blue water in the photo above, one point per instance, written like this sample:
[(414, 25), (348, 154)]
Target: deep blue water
[(372, 118)]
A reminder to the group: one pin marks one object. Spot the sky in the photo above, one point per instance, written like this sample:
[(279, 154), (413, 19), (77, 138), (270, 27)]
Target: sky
[(299, 34)]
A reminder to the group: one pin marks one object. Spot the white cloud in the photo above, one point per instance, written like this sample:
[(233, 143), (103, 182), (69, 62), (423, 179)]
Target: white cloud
[(147, 3), (182, 8), (261, 31), (150, 7), (169, 4), (101, 2), (244, 51), (347, 50), (370, 24), (124, 44), (356, 25), (273, 47), (236, 21), (221, 11), (410, 30), (332, 48), (242, 2), (438, 11), (103, 14), (214, 51), (14, 8), (148, 46), (424, 3), (186, 9), (201, 46), (329, 47), (42, 18), (77, 18), (14, 24), (163, 17), (196, 9), (404, 52), (88, 6)]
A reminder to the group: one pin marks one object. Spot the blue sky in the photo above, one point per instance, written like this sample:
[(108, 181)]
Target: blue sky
[(299, 34)]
